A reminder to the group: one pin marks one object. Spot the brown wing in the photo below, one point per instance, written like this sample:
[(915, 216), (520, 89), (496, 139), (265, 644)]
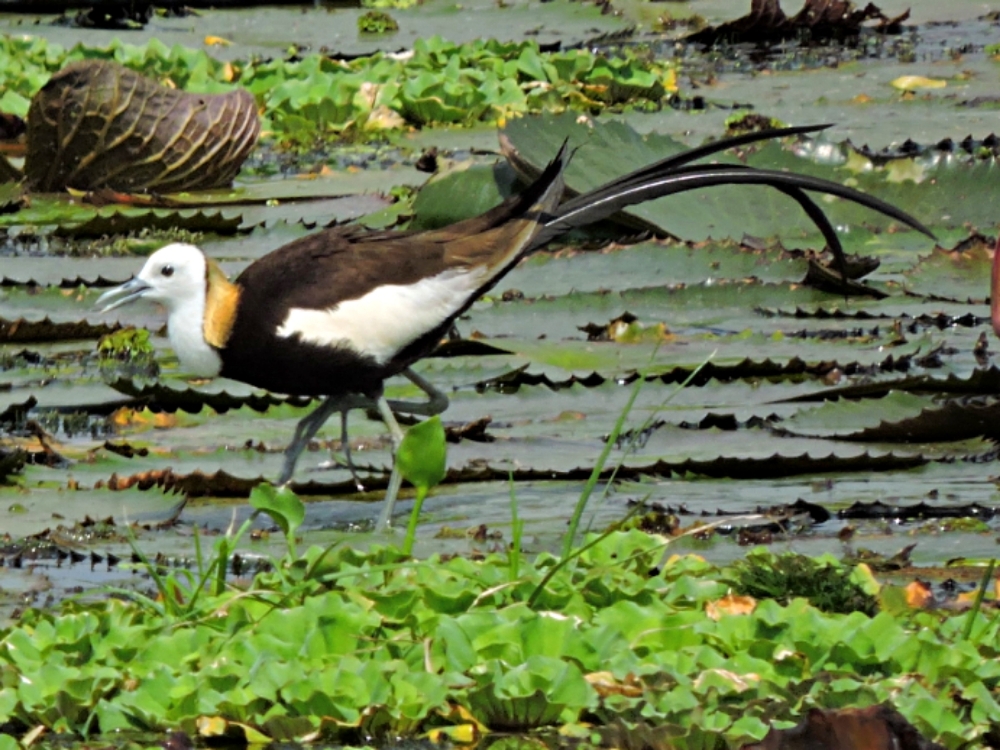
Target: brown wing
[(324, 270), (343, 263)]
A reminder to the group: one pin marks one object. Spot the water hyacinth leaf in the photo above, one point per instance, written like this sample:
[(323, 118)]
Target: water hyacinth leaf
[(536, 693), (98, 124)]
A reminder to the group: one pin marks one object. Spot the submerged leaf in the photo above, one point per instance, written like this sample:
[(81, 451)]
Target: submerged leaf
[(912, 83)]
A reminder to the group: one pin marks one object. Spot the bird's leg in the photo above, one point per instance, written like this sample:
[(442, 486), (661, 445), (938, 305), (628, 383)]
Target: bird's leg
[(396, 479), (309, 425), (437, 400), (345, 444)]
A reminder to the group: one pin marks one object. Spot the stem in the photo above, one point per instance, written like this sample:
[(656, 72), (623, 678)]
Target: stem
[(411, 527), (516, 531), (970, 619)]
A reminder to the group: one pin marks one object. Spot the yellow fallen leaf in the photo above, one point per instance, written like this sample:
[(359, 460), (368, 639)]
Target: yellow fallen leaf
[(211, 726), (216, 41), (462, 734), (164, 421), (731, 604), (670, 80), (861, 99), (912, 83), (919, 594), (966, 599)]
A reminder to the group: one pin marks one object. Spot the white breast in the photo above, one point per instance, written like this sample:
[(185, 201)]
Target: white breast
[(184, 329)]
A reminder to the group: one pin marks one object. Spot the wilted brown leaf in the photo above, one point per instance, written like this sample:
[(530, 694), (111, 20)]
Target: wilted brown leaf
[(606, 684), (97, 124), (818, 19)]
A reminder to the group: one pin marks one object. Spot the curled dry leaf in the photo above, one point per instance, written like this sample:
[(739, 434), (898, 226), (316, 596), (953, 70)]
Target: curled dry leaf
[(819, 19), (606, 684), (97, 124)]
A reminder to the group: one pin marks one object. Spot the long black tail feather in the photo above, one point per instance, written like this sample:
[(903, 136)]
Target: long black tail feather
[(600, 203), (676, 174), (671, 163)]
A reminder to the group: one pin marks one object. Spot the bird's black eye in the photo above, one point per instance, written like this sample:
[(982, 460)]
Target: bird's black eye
[(167, 271)]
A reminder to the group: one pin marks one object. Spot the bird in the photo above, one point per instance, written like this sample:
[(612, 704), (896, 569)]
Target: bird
[(336, 313)]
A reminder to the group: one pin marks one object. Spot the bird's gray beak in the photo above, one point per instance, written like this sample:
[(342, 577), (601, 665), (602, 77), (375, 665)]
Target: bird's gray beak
[(130, 291)]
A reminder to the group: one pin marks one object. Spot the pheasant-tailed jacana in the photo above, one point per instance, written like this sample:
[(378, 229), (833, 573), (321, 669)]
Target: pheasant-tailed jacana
[(336, 313)]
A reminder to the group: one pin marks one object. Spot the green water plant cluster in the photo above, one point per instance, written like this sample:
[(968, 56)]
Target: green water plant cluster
[(315, 96), (344, 645), (377, 22)]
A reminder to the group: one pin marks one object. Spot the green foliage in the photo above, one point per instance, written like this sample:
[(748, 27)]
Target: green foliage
[(317, 97), (377, 22), (827, 585), (127, 344), (389, 645), (744, 121), (127, 352), (389, 3)]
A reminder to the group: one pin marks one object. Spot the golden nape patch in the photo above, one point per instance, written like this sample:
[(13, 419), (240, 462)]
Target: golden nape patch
[(222, 297)]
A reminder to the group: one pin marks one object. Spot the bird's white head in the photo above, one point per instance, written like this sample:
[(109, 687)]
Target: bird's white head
[(176, 276)]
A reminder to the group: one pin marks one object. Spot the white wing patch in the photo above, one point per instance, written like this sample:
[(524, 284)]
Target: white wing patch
[(388, 318)]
